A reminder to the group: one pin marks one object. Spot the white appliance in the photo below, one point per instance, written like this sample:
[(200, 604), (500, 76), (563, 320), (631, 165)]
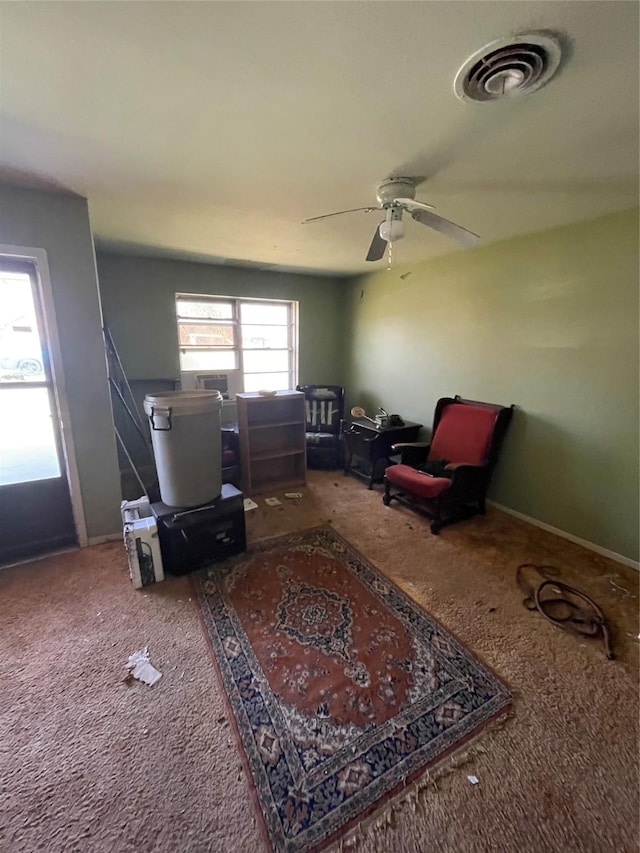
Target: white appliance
[(227, 382), (140, 533)]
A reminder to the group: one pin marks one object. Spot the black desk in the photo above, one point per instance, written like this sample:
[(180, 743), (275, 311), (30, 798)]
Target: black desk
[(367, 448)]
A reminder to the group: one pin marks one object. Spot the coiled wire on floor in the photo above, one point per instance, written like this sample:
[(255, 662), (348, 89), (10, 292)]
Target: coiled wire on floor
[(563, 605)]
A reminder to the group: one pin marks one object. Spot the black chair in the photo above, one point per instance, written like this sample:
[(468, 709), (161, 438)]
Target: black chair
[(324, 405), (230, 456)]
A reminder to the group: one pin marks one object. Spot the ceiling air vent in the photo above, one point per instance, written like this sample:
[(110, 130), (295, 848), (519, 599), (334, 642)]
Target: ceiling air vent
[(508, 68)]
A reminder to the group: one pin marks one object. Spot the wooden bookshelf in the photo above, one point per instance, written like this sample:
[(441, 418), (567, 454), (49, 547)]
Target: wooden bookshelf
[(271, 430)]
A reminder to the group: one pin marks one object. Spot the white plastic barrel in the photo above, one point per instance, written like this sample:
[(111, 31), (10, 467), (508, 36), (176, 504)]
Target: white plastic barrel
[(185, 432)]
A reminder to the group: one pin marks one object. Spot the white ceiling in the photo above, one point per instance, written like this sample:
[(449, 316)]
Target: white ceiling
[(211, 129)]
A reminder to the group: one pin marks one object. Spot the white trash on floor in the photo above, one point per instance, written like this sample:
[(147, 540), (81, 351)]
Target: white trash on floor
[(139, 667)]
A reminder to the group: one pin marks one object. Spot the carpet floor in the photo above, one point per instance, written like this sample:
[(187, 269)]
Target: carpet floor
[(91, 763)]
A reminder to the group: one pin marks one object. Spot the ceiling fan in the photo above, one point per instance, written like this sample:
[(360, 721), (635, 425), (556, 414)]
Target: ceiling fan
[(395, 196)]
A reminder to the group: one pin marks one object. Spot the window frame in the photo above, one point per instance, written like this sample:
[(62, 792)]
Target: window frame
[(236, 323)]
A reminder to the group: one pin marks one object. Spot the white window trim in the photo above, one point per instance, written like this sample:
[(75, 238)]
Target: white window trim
[(292, 329)]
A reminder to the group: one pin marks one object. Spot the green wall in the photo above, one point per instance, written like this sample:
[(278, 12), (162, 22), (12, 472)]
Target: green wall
[(60, 225), (548, 321), (138, 298)]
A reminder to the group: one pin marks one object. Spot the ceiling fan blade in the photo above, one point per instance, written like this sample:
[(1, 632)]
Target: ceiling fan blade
[(338, 213), (466, 238), (377, 247), (412, 204)]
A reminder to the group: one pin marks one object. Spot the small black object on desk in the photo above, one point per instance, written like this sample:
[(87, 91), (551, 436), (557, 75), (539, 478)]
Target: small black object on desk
[(367, 447), (194, 537)]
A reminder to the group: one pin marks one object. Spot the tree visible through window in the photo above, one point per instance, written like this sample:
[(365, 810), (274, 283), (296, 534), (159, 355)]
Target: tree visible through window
[(256, 337)]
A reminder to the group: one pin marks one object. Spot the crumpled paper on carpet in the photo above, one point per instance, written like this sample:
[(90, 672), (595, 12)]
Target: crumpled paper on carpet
[(139, 667)]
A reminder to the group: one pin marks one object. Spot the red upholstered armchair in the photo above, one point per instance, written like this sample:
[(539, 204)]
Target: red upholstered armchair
[(448, 479)]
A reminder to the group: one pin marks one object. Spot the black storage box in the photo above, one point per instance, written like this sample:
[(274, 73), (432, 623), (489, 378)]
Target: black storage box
[(192, 538)]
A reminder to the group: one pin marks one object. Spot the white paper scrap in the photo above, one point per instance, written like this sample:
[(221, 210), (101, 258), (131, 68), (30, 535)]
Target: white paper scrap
[(249, 504), (473, 779), (140, 668), (272, 501)]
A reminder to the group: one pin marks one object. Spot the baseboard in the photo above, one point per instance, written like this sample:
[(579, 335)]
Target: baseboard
[(100, 540), (604, 552), (21, 561), (612, 555)]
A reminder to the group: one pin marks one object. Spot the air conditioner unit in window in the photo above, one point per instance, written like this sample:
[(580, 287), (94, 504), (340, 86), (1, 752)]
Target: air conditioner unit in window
[(227, 382)]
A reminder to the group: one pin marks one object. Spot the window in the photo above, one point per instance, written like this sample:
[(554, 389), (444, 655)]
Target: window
[(256, 337)]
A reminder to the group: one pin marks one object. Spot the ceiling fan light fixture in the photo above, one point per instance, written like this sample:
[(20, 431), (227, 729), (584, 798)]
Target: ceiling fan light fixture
[(396, 196), (509, 67), (392, 230)]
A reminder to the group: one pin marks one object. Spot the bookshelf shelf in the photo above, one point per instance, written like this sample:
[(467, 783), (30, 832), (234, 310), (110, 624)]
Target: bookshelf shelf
[(272, 441)]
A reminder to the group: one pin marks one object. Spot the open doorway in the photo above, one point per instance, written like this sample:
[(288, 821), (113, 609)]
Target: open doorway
[(36, 513)]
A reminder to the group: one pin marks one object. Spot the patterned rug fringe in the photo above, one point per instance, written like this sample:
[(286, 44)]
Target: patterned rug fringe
[(415, 795)]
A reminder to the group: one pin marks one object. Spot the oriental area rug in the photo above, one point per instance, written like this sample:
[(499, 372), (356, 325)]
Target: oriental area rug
[(343, 690)]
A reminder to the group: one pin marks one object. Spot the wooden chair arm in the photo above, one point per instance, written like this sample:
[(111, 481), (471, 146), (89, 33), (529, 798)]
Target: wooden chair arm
[(411, 452), (454, 466), (468, 479)]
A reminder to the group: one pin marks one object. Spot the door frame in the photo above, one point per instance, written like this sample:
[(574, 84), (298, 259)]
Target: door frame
[(38, 257)]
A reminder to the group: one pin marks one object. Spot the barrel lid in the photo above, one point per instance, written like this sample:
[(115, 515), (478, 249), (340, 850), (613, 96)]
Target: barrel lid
[(183, 402)]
